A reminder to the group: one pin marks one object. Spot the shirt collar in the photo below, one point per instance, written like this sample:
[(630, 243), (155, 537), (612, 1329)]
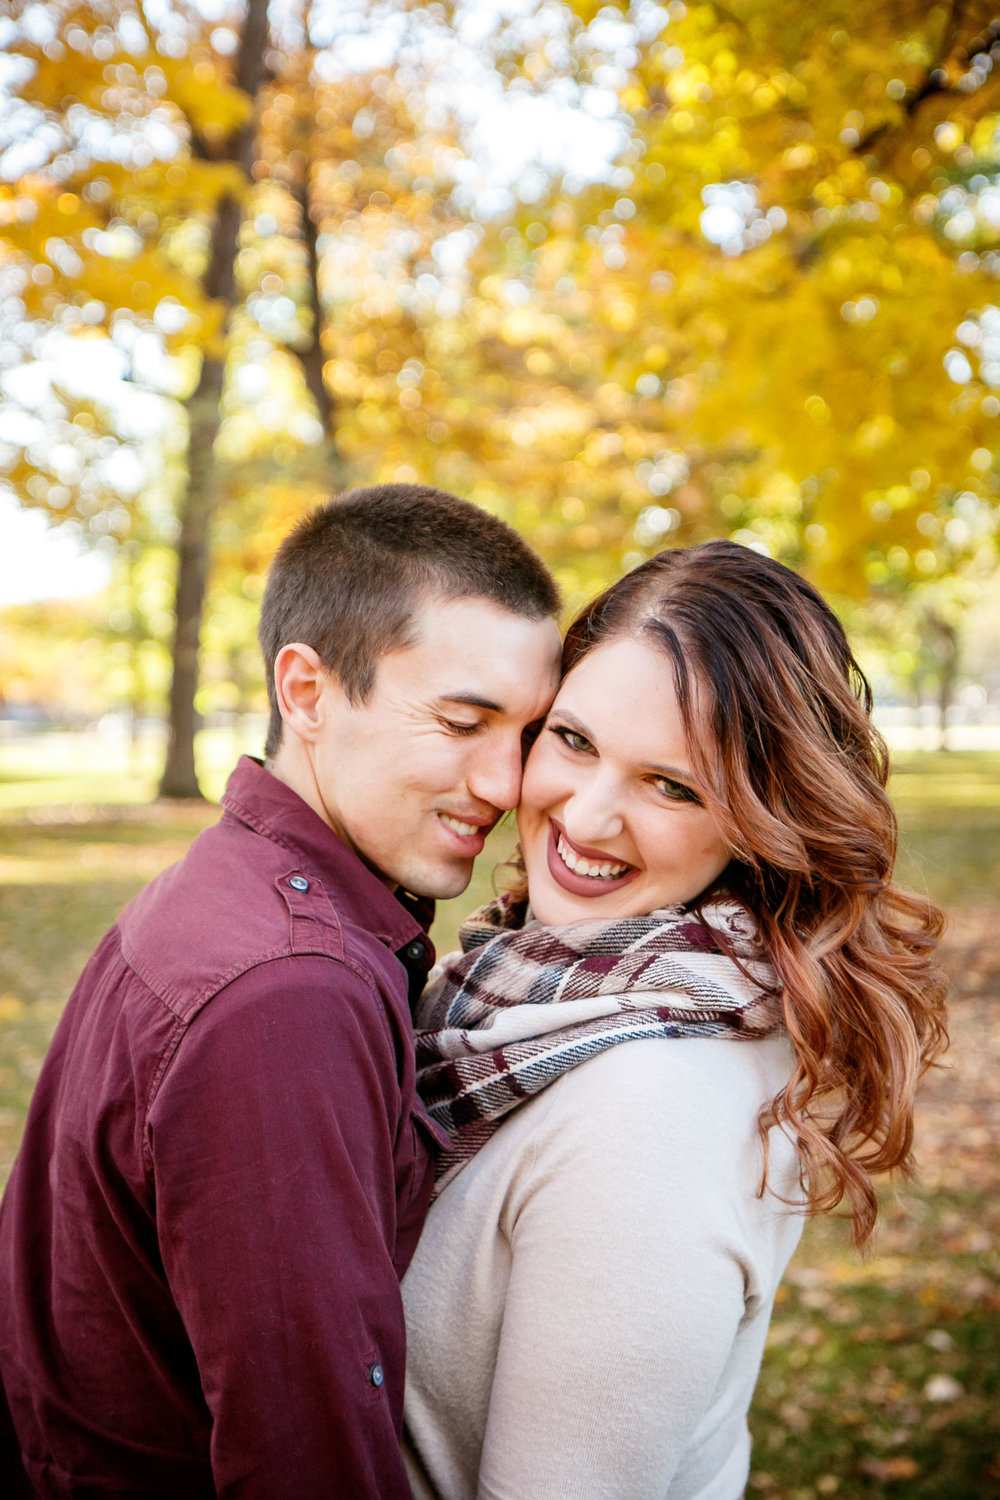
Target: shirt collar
[(267, 805)]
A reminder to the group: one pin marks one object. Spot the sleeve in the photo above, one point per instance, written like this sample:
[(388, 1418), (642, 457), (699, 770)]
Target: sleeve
[(625, 1293), (272, 1142)]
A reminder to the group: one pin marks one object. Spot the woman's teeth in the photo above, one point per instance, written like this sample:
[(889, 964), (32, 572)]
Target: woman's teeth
[(584, 866), (465, 829)]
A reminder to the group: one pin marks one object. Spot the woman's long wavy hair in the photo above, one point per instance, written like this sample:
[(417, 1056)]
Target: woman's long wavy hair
[(777, 715)]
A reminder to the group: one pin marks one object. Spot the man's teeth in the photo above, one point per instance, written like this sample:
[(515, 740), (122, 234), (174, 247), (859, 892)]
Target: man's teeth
[(465, 829), (584, 866)]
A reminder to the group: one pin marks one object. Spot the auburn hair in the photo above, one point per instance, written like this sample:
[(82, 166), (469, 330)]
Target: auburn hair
[(778, 720)]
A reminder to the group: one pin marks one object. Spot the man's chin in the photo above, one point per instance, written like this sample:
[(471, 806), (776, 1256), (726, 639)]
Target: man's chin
[(438, 882)]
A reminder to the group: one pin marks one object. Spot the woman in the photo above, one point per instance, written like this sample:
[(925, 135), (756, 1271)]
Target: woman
[(707, 846)]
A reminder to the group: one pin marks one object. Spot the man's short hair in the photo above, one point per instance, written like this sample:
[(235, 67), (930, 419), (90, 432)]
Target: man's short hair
[(349, 578)]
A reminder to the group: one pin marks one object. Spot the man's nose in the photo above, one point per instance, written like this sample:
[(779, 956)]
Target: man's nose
[(496, 775)]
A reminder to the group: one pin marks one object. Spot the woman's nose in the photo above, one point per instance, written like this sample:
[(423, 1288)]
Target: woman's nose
[(592, 814)]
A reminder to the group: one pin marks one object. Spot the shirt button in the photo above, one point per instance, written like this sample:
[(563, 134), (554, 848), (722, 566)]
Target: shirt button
[(376, 1375), (415, 949), (298, 882)]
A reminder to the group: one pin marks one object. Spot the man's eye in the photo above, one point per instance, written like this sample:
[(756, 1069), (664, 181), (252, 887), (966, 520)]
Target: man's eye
[(572, 739), (676, 791), (454, 728)]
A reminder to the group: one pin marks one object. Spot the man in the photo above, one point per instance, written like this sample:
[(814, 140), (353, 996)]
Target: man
[(225, 1168)]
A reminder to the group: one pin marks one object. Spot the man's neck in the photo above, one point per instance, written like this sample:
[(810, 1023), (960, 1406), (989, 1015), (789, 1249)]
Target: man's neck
[(291, 766)]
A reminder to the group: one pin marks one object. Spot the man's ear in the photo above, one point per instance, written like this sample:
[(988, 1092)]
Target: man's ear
[(300, 683)]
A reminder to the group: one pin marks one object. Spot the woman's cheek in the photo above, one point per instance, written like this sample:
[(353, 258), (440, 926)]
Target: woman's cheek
[(534, 795)]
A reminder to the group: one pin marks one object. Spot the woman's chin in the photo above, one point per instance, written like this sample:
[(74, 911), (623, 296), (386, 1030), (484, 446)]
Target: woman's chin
[(550, 905), (563, 914)]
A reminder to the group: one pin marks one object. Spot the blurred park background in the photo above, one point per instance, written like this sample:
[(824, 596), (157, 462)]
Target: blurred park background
[(630, 275)]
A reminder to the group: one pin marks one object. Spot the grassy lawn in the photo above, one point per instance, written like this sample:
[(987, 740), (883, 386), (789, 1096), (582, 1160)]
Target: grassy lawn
[(881, 1377)]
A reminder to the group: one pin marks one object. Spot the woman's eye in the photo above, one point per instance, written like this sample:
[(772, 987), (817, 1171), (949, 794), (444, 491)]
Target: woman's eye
[(676, 791), (571, 738)]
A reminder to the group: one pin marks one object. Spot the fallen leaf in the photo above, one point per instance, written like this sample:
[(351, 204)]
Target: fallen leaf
[(943, 1388), (889, 1469)]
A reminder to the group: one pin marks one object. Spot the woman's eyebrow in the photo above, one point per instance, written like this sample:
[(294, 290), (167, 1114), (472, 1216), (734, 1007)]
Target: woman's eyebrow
[(673, 773), (555, 712)]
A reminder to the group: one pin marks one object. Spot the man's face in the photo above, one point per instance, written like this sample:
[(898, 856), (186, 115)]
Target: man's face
[(414, 778)]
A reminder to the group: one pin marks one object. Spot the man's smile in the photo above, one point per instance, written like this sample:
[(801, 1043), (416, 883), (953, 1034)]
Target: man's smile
[(467, 830), (467, 835)]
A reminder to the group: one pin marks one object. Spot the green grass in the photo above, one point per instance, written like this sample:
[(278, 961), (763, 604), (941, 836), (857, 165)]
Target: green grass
[(881, 1377), (949, 820), (76, 772)]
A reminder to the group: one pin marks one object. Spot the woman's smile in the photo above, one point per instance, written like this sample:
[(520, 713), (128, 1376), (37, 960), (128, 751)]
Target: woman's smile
[(584, 872)]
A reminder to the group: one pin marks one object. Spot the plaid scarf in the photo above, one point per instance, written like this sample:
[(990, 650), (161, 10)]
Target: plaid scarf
[(521, 1005)]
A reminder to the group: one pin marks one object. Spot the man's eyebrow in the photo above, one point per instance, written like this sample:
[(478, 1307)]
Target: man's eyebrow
[(472, 700)]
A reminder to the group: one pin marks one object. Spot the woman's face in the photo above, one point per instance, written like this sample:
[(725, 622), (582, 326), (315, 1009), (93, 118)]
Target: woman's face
[(610, 820)]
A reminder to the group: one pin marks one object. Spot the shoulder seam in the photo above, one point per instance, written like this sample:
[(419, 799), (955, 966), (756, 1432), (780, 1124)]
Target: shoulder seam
[(182, 1024)]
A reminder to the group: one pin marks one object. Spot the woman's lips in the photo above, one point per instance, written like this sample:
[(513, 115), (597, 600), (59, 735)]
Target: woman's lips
[(583, 885)]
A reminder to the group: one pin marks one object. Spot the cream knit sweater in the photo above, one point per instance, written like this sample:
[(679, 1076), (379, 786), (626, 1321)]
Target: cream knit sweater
[(587, 1307)]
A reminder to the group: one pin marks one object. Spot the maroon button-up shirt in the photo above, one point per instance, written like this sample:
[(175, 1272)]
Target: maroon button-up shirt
[(224, 1173)]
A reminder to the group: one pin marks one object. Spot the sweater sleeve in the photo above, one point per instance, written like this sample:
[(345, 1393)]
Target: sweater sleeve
[(629, 1276)]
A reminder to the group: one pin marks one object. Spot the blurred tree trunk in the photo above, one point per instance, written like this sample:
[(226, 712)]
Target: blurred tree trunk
[(204, 408), (311, 354), (298, 171), (945, 637)]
